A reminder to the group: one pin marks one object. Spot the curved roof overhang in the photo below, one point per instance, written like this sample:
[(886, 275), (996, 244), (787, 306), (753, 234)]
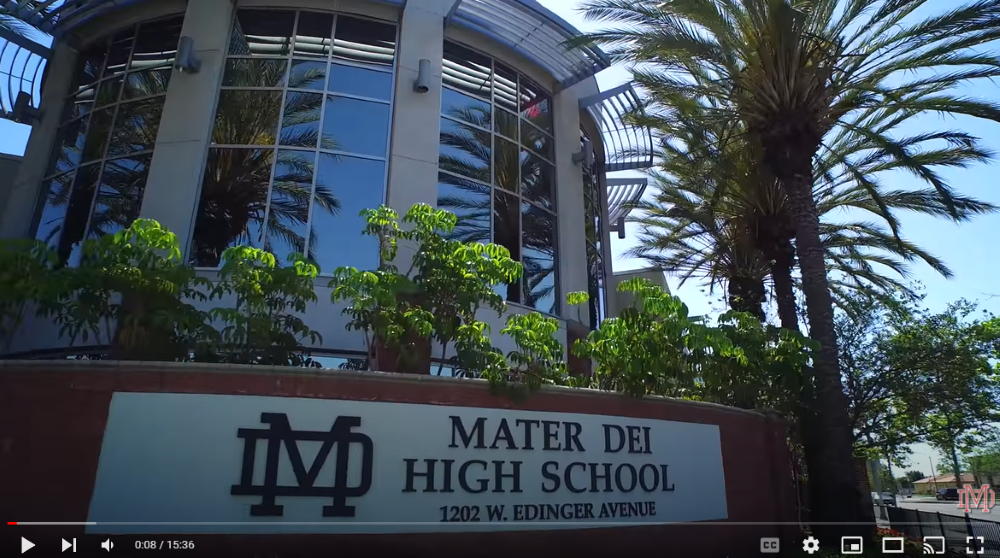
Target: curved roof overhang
[(623, 193), (534, 32), (626, 147), (525, 26)]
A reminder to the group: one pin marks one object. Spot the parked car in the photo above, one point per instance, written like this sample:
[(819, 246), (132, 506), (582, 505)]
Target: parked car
[(887, 499), (947, 494)]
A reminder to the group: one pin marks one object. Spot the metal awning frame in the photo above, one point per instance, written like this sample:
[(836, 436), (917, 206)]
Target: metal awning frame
[(622, 193), (534, 32), (626, 147)]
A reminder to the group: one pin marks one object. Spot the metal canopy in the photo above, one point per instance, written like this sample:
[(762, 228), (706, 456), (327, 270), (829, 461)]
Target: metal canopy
[(523, 25), (622, 193), (534, 32), (22, 65), (626, 147)]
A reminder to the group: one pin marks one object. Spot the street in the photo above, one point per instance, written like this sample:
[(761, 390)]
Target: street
[(945, 507)]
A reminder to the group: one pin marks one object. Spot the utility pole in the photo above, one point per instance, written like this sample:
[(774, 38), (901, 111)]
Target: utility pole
[(876, 467)]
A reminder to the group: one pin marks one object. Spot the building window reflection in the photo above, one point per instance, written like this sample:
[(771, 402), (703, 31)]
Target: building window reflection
[(300, 139), (107, 133), (496, 167), (594, 238)]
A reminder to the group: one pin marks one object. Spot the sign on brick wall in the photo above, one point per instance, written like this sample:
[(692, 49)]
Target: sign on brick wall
[(242, 464)]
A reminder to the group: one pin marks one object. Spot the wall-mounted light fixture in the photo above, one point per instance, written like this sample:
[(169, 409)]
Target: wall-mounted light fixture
[(186, 62), (422, 85), (586, 154)]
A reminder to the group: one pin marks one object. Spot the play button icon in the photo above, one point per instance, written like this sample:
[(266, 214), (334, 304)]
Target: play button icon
[(26, 545)]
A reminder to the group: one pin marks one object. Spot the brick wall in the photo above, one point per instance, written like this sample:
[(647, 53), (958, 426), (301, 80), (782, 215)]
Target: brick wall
[(53, 414)]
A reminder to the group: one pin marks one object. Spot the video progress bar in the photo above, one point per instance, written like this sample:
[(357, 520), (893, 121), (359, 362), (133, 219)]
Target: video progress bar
[(448, 523)]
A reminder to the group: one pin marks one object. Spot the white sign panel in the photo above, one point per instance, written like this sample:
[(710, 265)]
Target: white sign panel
[(179, 463)]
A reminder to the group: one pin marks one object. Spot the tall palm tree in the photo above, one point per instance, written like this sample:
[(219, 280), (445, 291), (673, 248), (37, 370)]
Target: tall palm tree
[(709, 170), (796, 71)]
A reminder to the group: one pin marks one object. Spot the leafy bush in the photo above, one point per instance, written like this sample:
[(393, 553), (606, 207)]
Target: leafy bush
[(538, 359), (437, 298), (655, 347), (26, 277), (263, 326), (135, 281)]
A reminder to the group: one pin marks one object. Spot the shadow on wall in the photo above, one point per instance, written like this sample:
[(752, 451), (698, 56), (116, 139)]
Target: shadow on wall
[(9, 165)]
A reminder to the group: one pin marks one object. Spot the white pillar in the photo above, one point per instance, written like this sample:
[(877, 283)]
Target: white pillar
[(572, 249), (22, 203), (175, 173), (413, 164)]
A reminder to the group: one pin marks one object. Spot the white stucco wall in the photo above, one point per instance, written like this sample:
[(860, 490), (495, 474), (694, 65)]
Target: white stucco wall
[(175, 176)]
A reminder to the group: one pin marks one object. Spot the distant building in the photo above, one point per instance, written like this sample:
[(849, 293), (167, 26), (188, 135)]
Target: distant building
[(930, 485)]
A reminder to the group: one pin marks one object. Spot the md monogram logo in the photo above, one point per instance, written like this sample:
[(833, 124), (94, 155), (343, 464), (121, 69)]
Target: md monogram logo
[(280, 432)]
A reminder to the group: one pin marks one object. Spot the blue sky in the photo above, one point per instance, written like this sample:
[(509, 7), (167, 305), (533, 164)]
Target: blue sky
[(971, 250)]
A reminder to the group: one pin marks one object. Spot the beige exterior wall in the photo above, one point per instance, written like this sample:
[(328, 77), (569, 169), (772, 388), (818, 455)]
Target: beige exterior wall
[(618, 301)]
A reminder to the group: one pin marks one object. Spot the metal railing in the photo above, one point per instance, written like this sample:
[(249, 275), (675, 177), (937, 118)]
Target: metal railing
[(960, 532)]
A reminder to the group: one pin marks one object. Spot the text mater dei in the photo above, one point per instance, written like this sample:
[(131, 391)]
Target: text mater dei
[(477, 476)]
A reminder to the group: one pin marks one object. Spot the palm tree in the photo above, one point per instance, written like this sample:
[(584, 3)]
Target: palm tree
[(14, 25), (795, 72), (708, 171)]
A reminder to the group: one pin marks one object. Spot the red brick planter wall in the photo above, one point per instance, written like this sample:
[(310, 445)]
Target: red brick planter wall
[(53, 414)]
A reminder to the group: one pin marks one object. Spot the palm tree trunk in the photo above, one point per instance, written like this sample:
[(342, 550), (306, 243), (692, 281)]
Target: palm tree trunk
[(746, 294), (835, 484), (784, 288)]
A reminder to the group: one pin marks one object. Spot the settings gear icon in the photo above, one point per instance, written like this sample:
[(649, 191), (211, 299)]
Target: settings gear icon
[(810, 545)]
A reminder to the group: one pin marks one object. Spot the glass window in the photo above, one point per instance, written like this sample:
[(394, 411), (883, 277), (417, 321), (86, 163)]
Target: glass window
[(364, 41), (307, 74), (345, 186), (301, 137), (252, 72), (101, 161), (356, 126), (262, 33), (360, 82), (234, 195), (247, 117), (466, 151), (593, 236), (313, 35), (470, 202), (496, 168)]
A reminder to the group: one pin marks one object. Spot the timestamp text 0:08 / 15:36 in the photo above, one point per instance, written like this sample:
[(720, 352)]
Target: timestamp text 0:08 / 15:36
[(163, 545)]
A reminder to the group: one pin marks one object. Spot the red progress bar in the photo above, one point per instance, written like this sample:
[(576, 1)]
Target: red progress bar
[(11, 523)]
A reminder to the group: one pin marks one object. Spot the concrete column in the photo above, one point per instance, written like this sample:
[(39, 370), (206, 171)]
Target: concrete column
[(22, 203), (413, 164), (175, 174), (572, 249)]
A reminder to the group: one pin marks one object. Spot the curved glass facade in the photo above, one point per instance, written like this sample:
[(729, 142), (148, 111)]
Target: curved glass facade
[(300, 139), (109, 126), (496, 167)]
